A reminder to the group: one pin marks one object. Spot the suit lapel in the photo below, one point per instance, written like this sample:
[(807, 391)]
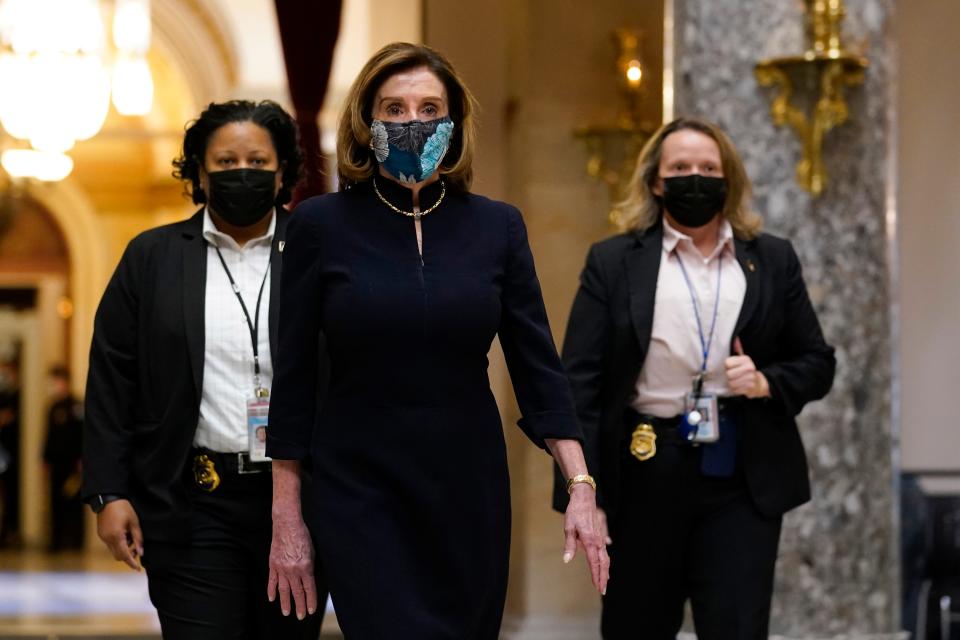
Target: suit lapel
[(642, 265), (194, 292), (276, 260), (746, 256)]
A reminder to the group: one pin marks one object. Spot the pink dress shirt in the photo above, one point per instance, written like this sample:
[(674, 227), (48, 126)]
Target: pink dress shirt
[(675, 355)]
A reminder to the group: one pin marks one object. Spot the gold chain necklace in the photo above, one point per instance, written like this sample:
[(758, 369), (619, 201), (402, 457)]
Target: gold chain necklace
[(416, 215)]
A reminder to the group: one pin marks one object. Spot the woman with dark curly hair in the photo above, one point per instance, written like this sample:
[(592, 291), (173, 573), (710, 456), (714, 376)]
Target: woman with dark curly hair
[(180, 374)]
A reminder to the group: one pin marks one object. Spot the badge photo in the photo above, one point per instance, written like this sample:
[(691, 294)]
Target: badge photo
[(699, 423), (258, 411)]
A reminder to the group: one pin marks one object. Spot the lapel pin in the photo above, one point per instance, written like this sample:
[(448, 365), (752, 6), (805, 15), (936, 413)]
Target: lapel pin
[(750, 265), (283, 243)]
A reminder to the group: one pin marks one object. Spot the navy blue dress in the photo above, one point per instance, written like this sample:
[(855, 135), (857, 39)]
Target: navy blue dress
[(412, 490)]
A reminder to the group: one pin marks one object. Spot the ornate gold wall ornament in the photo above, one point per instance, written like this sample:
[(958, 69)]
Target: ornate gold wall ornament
[(824, 70), (612, 149)]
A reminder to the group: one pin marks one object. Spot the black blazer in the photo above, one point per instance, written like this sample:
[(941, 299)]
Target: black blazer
[(146, 372), (609, 333)]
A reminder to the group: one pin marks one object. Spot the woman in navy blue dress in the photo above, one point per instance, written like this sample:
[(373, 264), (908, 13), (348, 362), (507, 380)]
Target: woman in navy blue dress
[(409, 277)]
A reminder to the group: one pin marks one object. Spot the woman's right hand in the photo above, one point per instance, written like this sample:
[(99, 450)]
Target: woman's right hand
[(119, 527), (291, 564)]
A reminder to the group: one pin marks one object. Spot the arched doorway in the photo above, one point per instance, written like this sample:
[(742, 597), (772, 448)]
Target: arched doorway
[(35, 310), (120, 186)]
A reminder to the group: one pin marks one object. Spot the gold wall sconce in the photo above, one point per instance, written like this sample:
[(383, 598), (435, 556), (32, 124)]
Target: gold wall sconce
[(612, 149), (822, 71)]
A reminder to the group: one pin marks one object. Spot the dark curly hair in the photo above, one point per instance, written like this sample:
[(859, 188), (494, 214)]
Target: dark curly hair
[(266, 113)]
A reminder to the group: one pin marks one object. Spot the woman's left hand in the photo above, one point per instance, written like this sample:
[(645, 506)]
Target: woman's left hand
[(582, 527), (743, 379)]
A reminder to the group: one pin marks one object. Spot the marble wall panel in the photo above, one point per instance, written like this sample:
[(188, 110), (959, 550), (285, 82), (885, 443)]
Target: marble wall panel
[(837, 572)]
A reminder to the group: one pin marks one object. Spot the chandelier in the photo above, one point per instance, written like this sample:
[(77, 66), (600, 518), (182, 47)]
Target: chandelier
[(58, 75)]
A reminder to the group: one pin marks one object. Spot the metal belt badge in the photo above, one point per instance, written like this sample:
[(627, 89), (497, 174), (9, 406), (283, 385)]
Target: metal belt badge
[(643, 443), (258, 411), (205, 474)]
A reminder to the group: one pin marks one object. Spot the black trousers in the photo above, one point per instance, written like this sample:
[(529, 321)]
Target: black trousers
[(215, 586), (679, 535)]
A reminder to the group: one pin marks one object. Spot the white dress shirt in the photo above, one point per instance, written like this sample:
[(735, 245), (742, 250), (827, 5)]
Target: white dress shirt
[(228, 352), (675, 354)]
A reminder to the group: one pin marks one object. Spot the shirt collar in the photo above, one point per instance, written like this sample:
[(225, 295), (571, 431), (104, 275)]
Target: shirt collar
[(672, 237), (220, 239)]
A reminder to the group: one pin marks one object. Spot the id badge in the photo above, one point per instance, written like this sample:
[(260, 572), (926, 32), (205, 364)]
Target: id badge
[(700, 422), (258, 410)]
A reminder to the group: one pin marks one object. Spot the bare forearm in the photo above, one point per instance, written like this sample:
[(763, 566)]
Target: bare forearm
[(569, 455), (291, 551), (286, 489)]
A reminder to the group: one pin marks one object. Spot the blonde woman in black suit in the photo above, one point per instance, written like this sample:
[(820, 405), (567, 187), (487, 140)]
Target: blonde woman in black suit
[(691, 347)]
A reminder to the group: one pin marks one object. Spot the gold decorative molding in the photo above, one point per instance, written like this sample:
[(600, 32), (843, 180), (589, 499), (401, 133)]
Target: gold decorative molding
[(197, 39), (216, 30), (612, 149), (826, 68)]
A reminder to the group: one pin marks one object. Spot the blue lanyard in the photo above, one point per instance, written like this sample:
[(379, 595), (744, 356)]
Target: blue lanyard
[(705, 342)]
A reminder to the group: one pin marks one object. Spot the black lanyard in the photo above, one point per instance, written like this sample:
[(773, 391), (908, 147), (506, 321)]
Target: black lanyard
[(254, 325)]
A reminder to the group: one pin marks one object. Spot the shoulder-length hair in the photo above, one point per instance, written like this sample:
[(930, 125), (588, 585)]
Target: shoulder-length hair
[(355, 160), (641, 209)]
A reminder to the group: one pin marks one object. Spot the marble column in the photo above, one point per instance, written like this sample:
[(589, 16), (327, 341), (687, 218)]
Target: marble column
[(838, 568)]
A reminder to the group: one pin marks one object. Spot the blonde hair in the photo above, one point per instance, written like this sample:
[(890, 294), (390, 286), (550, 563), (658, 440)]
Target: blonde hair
[(355, 161), (640, 210)]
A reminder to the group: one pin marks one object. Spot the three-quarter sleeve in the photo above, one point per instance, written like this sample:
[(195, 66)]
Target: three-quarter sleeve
[(112, 381), (295, 380), (539, 382)]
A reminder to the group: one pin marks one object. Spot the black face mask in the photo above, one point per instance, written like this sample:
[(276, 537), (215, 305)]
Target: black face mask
[(242, 197), (694, 200)]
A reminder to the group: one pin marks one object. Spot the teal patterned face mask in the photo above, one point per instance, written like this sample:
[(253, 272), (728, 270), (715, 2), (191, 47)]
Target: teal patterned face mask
[(411, 151)]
